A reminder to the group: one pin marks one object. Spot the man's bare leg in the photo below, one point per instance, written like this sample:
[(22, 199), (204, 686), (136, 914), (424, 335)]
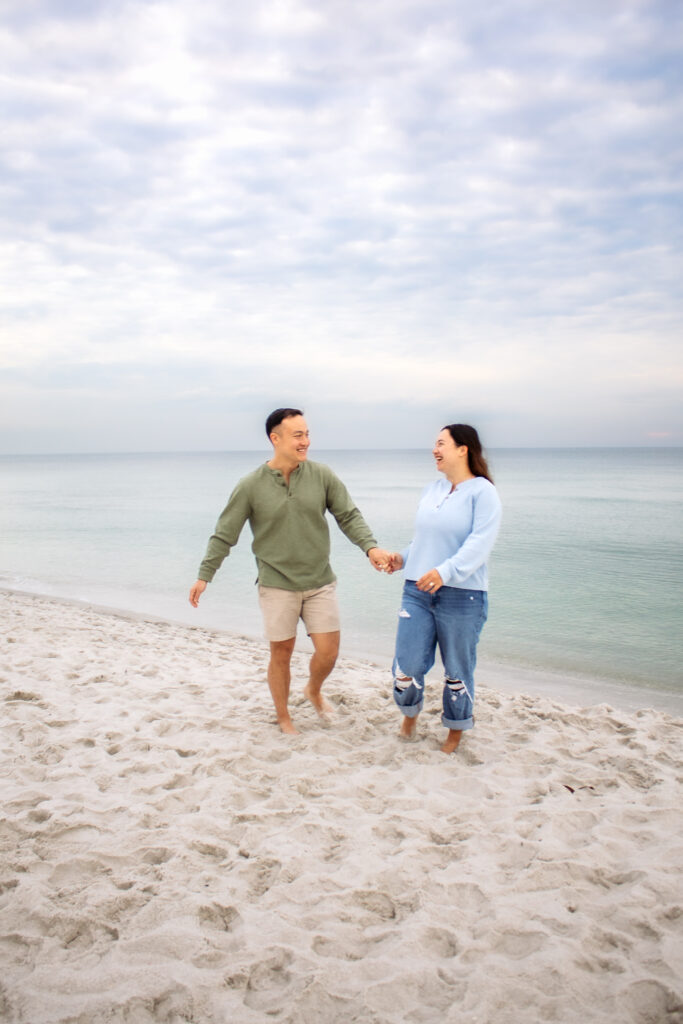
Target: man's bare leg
[(450, 744), (279, 678), (323, 661)]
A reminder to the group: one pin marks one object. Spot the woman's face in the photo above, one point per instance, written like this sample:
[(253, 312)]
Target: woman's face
[(447, 454)]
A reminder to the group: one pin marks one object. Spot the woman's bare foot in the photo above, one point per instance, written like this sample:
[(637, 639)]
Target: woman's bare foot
[(408, 726), (323, 708), (451, 742), (287, 727)]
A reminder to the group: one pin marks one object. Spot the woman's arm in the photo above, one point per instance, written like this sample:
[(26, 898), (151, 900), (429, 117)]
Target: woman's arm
[(476, 548)]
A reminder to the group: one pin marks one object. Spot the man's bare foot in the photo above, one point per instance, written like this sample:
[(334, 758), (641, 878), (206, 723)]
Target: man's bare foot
[(322, 706), (287, 727), (451, 742), (408, 726)]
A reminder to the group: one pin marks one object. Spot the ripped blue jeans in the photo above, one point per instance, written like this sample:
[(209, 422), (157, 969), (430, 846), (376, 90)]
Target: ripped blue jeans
[(453, 619)]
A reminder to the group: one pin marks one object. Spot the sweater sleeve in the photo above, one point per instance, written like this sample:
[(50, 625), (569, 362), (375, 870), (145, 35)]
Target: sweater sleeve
[(474, 551), (229, 526), (349, 519)]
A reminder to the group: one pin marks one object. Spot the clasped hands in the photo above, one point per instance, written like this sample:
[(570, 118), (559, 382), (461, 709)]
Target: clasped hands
[(392, 561), (385, 561)]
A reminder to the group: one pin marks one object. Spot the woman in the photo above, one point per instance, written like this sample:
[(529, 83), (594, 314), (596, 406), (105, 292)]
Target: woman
[(446, 579)]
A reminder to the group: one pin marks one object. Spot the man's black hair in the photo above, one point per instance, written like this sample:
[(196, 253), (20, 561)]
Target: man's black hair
[(277, 416)]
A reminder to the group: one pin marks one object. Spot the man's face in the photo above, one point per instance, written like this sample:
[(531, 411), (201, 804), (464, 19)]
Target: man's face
[(291, 439)]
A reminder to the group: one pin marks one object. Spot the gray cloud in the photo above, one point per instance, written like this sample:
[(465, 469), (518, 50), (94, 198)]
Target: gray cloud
[(415, 198)]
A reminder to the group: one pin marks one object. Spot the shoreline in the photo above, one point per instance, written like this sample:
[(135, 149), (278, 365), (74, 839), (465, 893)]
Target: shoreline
[(166, 854), (565, 688)]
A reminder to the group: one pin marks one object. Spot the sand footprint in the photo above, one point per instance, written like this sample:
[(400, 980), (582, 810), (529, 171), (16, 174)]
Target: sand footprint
[(6, 1011), (354, 948), (77, 873), (209, 850), (439, 942), (376, 903), (470, 898), (261, 874), (519, 944), (268, 983), (40, 817), (154, 854), (220, 917), (178, 782), (20, 949), (647, 1001), (393, 837), (170, 1006), (25, 696)]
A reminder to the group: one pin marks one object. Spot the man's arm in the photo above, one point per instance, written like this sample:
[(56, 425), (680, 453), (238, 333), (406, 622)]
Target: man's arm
[(351, 522), (228, 528)]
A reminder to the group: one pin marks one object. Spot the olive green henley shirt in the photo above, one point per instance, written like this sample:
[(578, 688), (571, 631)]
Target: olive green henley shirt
[(291, 536)]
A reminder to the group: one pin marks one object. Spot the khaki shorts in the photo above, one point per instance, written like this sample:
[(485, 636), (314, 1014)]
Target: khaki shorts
[(282, 610)]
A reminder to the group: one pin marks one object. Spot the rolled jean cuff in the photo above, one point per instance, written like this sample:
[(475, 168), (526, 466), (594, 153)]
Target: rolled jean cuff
[(412, 710), (461, 723)]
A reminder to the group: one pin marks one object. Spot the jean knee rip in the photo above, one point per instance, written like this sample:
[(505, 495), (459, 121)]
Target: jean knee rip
[(402, 682), (457, 688)]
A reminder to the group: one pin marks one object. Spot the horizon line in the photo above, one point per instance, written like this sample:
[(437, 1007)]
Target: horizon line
[(249, 451)]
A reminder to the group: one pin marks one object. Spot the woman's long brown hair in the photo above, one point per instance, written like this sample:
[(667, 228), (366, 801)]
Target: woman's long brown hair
[(462, 433)]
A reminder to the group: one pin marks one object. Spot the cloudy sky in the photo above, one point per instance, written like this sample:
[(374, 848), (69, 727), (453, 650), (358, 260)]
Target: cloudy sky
[(394, 214)]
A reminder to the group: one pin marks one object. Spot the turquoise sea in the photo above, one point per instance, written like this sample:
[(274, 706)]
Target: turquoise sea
[(586, 578)]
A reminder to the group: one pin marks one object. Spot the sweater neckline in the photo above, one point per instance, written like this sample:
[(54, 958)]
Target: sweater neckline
[(453, 489)]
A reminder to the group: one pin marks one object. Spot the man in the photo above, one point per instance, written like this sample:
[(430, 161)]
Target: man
[(285, 501)]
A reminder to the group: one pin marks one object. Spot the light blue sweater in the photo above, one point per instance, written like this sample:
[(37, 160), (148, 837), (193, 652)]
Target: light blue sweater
[(454, 533)]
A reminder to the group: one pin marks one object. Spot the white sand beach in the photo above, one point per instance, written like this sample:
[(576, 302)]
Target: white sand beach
[(167, 855)]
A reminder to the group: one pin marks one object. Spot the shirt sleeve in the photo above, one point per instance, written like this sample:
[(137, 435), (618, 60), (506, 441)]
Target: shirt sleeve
[(349, 519), (227, 532), (474, 551)]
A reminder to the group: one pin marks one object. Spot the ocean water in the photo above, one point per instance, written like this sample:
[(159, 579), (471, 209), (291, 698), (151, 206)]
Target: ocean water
[(586, 577)]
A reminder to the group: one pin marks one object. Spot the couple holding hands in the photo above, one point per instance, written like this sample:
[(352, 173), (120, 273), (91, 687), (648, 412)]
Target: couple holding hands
[(444, 599)]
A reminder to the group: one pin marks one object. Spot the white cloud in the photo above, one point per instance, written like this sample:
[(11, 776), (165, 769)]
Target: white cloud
[(322, 195)]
